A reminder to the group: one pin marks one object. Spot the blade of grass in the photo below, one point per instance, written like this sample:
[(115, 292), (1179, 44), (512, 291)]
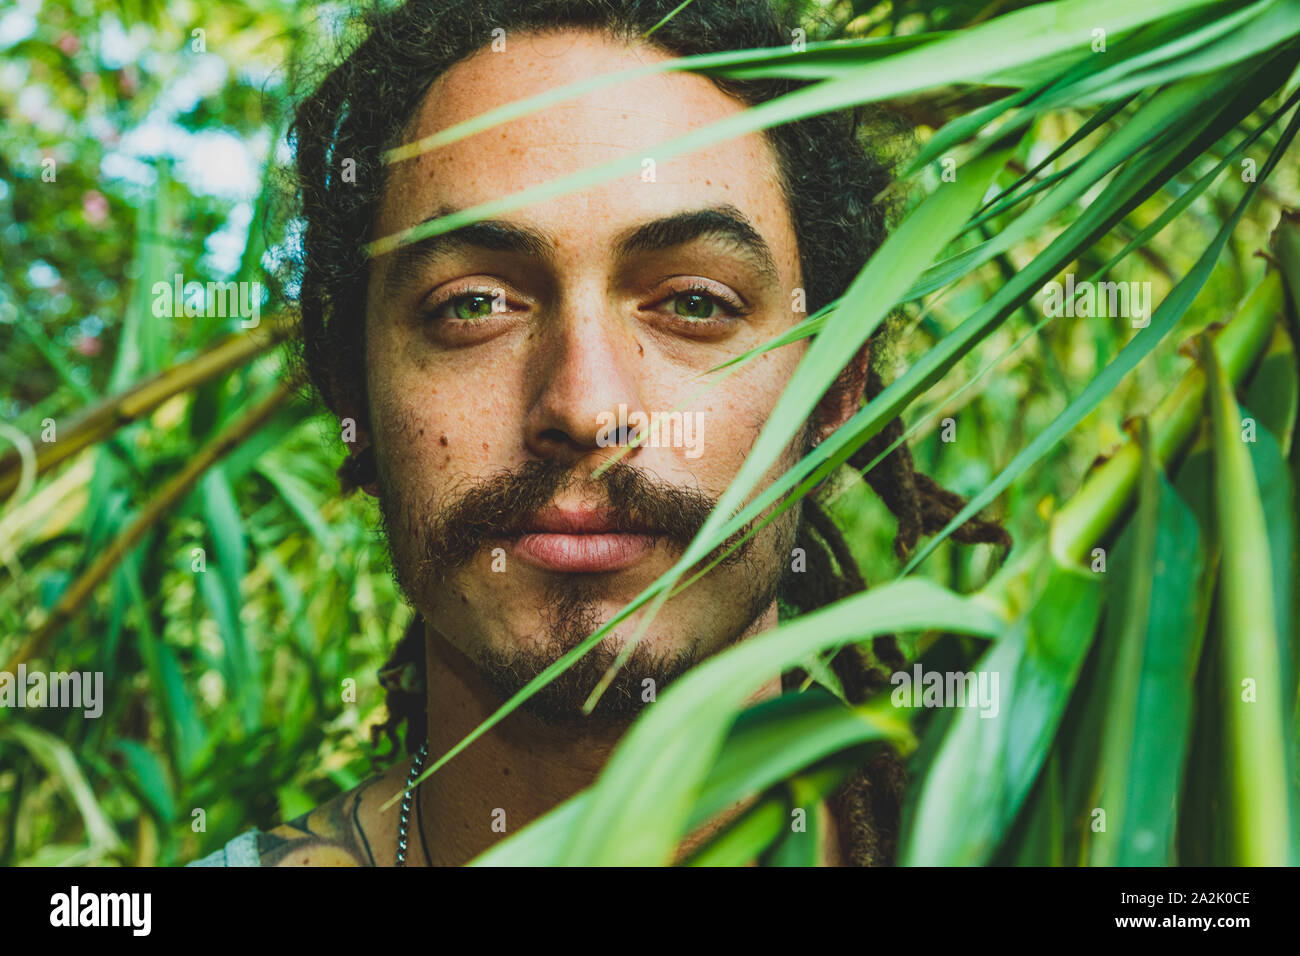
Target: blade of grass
[(1135, 611), (642, 801), (1171, 310)]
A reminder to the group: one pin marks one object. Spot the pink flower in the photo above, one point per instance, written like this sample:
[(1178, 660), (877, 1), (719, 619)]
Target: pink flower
[(68, 43), (94, 207)]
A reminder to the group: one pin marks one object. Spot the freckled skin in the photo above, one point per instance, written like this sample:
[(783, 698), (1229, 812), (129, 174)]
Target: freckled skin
[(585, 333), (537, 388)]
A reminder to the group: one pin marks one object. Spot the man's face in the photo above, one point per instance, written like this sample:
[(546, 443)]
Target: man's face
[(503, 360)]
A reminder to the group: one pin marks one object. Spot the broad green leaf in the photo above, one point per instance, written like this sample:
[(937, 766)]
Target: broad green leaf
[(542, 842), (1248, 33), (222, 587), (1254, 709), (767, 743), (148, 779), (183, 714), (745, 840), (798, 847), (975, 771), (782, 828), (1148, 701), (58, 760), (1038, 838), (1277, 495), (1132, 616), (138, 351), (642, 801), (298, 499), (774, 739), (1274, 393)]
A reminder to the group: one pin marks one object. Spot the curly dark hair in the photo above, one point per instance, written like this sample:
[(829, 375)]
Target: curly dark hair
[(835, 176)]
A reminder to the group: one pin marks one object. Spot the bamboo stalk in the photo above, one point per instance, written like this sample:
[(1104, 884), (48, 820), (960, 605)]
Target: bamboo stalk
[(172, 493), (103, 419), (1082, 522), (1285, 247), (1106, 494)]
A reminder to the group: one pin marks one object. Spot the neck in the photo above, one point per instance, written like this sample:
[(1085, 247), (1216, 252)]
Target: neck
[(517, 771)]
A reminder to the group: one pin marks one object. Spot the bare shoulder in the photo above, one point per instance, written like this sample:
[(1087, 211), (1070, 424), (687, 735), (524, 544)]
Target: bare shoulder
[(350, 830)]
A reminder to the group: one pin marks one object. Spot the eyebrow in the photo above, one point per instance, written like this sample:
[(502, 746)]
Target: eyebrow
[(495, 235), (724, 222)]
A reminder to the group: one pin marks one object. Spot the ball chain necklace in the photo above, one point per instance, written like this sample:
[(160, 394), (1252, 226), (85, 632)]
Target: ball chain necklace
[(417, 764)]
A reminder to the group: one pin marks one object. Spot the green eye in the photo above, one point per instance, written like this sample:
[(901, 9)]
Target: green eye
[(472, 306), (693, 305)]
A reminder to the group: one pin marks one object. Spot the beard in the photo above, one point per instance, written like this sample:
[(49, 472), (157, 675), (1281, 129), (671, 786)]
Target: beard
[(570, 616), (428, 544)]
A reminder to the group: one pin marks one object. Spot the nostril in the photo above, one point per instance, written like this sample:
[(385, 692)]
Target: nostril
[(555, 435)]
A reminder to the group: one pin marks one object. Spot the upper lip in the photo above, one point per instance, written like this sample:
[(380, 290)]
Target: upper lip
[(581, 521)]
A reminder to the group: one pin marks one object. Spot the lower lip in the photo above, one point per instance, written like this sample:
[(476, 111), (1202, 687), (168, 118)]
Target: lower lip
[(583, 552)]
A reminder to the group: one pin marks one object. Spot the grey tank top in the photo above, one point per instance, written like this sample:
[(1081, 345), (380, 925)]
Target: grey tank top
[(241, 851)]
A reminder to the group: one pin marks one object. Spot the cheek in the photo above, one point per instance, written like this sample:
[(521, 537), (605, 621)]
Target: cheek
[(423, 436), (732, 417), (407, 414), (430, 421)]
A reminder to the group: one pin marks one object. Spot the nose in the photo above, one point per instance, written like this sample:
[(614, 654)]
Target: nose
[(585, 386)]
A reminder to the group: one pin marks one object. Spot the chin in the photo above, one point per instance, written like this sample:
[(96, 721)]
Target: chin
[(658, 659)]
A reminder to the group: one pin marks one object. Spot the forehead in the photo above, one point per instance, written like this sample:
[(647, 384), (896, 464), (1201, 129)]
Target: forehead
[(628, 118)]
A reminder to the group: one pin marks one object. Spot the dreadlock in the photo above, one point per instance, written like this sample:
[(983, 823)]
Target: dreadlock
[(836, 172), (869, 805)]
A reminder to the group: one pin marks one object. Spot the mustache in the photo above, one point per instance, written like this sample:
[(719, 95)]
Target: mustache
[(506, 504)]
